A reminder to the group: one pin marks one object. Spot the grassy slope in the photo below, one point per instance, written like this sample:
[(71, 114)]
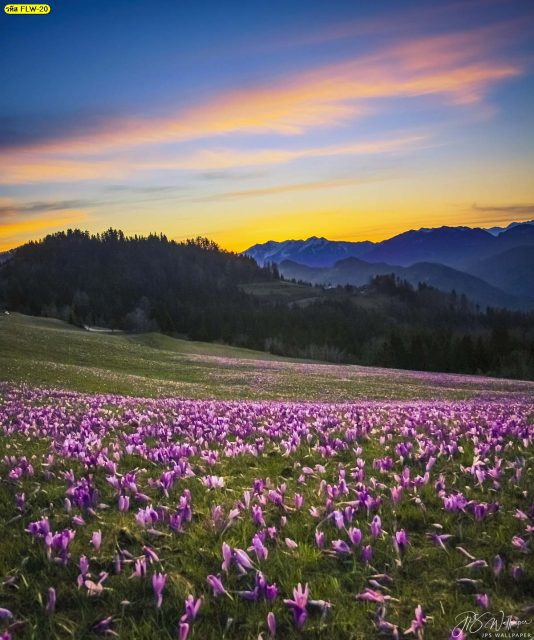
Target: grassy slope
[(51, 353)]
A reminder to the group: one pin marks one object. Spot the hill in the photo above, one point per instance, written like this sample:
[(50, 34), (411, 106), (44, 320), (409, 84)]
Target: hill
[(51, 353), (511, 270), (359, 272), (138, 283)]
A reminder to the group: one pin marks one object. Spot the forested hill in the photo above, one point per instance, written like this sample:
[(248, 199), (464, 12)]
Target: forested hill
[(196, 290), (136, 283)]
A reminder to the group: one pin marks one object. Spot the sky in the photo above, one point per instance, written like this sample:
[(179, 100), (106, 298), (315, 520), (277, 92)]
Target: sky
[(254, 121)]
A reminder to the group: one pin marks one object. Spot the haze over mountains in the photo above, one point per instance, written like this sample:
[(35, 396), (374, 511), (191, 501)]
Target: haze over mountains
[(493, 267)]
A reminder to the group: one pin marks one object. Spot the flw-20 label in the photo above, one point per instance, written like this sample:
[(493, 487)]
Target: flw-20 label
[(27, 9)]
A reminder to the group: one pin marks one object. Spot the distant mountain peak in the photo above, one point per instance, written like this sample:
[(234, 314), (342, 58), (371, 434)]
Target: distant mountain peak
[(455, 247), (315, 251), (496, 231)]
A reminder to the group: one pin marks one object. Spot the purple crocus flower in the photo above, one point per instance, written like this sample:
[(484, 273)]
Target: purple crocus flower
[(257, 515), (83, 564), (124, 503), (376, 526), (290, 544), (517, 571), (139, 568), (217, 514), (150, 554), (370, 595), (418, 623), (243, 559), (104, 625), (216, 584), (480, 510), (20, 501), (192, 607), (51, 601), (271, 623), (259, 548), (183, 631), (298, 604), (227, 557), (355, 536), (401, 539), (96, 539), (341, 547), (319, 539), (251, 595), (339, 519), (520, 544), (271, 592), (5, 614), (498, 565), (482, 600), (440, 539), (158, 584), (367, 554), (396, 494)]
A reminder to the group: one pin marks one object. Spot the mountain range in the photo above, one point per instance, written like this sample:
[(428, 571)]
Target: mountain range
[(493, 267)]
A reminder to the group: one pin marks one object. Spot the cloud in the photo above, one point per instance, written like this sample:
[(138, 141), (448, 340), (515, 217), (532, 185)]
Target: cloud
[(20, 169), (230, 175), (143, 189), (204, 160), (499, 214), (224, 158), (525, 209), (289, 188), (42, 206), (13, 211), (458, 67)]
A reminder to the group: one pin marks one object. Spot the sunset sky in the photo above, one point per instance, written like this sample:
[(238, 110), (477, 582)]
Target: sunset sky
[(250, 121)]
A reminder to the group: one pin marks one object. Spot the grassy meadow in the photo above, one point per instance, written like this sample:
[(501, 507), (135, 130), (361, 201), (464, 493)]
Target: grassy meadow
[(50, 353), (128, 462)]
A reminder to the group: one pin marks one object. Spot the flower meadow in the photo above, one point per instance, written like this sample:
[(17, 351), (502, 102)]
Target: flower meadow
[(171, 518)]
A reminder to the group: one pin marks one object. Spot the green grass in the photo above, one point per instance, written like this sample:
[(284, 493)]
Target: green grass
[(47, 352), (282, 291)]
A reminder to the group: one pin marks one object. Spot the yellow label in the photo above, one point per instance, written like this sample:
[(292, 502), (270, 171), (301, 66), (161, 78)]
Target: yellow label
[(27, 9)]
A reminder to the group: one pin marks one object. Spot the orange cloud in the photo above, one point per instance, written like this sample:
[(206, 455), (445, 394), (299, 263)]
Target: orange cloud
[(459, 67), (22, 171), (229, 158), (291, 187), (21, 168)]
